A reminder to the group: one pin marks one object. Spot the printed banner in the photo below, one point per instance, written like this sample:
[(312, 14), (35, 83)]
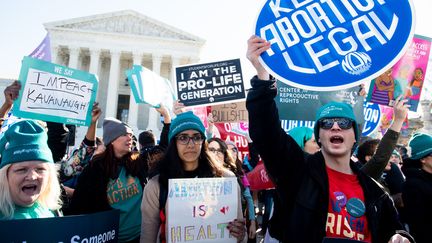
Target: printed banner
[(199, 209), (405, 78), (330, 45), (258, 178), (387, 119), (56, 93), (210, 83), (236, 133), (230, 112), (372, 115), (298, 106), (97, 227), (150, 88)]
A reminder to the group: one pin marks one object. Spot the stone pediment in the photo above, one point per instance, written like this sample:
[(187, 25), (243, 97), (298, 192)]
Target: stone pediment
[(124, 22)]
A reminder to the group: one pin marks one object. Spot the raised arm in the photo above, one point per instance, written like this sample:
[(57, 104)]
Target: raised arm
[(271, 141), (11, 93), (167, 123), (256, 46), (375, 166), (91, 130)]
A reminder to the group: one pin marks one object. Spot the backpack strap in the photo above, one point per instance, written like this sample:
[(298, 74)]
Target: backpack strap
[(163, 194)]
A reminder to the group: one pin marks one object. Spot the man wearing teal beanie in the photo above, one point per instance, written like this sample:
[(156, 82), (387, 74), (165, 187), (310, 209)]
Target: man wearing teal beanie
[(325, 195)]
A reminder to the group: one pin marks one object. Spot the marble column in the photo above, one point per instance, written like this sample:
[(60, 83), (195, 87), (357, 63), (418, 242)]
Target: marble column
[(112, 96), (94, 64), (133, 106), (175, 61), (94, 61), (153, 114), (73, 57)]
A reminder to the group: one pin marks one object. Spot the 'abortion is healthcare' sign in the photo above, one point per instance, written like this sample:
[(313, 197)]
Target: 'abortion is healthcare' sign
[(328, 45)]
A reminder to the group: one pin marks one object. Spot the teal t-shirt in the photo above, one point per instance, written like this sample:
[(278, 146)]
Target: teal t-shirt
[(125, 194), (35, 211)]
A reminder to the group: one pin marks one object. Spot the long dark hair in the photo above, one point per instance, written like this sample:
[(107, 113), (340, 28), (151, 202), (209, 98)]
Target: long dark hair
[(171, 166), (109, 164), (229, 162)]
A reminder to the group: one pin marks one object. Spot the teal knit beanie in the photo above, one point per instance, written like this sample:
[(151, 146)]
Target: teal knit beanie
[(301, 135), (25, 141), (421, 145), (185, 121), (335, 110)]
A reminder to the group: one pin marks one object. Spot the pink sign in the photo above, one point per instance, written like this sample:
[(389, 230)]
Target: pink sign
[(405, 78)]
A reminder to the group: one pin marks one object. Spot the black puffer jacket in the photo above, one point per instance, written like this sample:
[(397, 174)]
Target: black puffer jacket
[(417, 198), (301, 180)]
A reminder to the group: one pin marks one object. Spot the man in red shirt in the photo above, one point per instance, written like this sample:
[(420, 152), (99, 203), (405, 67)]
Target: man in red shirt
[(325, 195)]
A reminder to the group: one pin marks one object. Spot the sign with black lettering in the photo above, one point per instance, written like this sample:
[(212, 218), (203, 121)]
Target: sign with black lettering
[(331, 45), (210, 83), (97, 227), (56, 93), (230, 112)]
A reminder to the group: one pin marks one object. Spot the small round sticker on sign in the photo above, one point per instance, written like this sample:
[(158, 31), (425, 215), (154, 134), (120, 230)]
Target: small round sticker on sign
[(331, 45), (355, 207)]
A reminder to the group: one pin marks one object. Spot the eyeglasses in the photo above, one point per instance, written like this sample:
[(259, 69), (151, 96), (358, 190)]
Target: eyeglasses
[(234, 149), (343, 123), (185, 139), (215, 151)]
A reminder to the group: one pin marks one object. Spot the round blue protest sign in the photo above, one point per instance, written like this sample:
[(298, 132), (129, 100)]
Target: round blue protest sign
[(328, 45), (372, 115)]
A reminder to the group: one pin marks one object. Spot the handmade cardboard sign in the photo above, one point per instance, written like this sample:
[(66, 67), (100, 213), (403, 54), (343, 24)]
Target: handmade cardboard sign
[(56, 93), (230, 112)]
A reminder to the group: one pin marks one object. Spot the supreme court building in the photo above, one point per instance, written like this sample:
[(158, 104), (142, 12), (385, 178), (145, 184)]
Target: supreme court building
[(108, 44)]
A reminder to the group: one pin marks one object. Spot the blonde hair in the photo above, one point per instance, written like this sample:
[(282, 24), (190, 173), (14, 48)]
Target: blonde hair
[(49, 198)]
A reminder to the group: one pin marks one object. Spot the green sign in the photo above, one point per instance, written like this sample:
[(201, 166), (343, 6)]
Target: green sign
[(150, 88), (56, 93)]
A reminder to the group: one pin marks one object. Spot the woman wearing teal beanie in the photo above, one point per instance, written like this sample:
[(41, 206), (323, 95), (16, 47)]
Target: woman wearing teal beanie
[(186, 157), (304, 137), (29, 186)]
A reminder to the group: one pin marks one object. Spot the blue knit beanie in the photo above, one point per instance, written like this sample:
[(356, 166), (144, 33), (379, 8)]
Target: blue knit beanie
[(421, 145), (25, 141), (185, 121), (301, 135), (335, 110)]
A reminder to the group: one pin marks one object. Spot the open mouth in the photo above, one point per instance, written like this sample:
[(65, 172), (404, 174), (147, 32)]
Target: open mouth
[(336, 139), (29, 189)]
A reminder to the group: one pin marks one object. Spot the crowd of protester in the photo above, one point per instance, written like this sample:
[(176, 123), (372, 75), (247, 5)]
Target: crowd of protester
[(329, 183)]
